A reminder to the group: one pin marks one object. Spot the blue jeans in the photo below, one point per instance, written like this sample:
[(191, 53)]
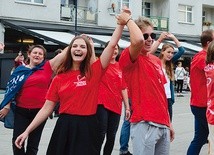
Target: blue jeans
[(201, 130), (124, 137)]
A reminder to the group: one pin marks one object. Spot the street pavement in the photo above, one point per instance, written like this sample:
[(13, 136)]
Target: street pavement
[(182, 122)]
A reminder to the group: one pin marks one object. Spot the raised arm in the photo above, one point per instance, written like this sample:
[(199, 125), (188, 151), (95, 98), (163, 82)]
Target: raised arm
[(136, 36), (181, 49), (42, 115), (55, 62), (109, 50), (158, 42)]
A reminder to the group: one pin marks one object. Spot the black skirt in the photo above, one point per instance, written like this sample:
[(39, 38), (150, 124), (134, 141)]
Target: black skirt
[(74, 135)]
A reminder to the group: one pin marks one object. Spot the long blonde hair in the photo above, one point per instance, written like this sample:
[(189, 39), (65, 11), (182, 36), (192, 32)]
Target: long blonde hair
[(169, 64)]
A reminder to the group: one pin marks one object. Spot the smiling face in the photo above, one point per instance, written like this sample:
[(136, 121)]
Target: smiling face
[(78, 50), (36, 56), (168, 54), (116, 52), (149, 41)]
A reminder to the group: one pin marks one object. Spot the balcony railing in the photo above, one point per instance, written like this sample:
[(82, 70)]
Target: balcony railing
[(160, 23), (83, 14)]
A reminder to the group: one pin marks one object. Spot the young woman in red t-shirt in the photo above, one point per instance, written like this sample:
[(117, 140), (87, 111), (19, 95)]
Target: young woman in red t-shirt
[(112, 92), (76, 88)]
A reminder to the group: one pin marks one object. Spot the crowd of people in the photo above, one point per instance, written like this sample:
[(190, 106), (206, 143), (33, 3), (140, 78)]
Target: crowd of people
[(87, 94)]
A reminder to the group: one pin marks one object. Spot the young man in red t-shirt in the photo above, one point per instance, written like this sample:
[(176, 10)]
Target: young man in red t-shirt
[(145, 80), (198, 101)]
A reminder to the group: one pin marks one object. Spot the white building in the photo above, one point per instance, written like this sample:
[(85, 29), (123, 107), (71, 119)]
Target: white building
[(53, 23)]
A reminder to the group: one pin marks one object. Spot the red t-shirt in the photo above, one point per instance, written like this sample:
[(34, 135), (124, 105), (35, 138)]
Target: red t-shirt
[(145, 80), (77, 95), (209, 72), (32, 94), (110, 89), (198, 80)]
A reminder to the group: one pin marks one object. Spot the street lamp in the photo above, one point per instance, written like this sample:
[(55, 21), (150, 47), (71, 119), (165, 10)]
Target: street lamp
[(75, 21)]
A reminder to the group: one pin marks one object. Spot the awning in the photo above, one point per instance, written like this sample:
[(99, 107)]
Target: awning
[(122, 43), (190, 48), (64, 37), (60, 36)]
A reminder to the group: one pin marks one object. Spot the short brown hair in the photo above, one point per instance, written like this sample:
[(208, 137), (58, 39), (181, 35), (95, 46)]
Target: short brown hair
[(143, 22), (30, 49), (206, 36)]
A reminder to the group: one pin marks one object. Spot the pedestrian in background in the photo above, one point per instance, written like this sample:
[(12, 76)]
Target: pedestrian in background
[(75, 87), (187, 78), (29, 95), (209, 72), (180, 73), (19, 60), (145, 80), (112, 92), (198, 100)]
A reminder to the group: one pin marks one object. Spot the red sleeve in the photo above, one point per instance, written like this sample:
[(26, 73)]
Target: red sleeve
[(125, 59), (124, 85), (52, 93)]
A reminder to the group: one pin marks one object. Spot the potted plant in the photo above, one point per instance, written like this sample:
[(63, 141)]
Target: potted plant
[(207, 23)]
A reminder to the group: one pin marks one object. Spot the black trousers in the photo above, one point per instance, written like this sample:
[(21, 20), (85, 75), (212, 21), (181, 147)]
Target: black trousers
[(23, 117), (108, 124), (180, 86)]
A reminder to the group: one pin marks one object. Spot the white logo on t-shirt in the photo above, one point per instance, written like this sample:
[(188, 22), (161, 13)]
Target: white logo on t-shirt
[(80, 81)]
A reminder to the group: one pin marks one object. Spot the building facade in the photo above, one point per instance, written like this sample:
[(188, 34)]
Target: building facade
[(53, 23)]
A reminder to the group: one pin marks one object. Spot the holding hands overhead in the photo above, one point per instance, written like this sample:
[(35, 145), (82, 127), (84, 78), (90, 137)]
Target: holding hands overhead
[(124, 17), (168, 35)]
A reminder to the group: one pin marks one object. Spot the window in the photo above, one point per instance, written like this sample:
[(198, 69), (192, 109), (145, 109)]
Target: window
[(146, 9), (185, 14), (203, 16), (32, 1), (121, 3)]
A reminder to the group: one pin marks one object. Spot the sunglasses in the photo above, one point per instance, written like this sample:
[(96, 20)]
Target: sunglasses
[(146, 35)]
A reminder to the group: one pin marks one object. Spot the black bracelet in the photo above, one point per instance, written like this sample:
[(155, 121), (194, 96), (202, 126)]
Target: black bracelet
[(128, 20)]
